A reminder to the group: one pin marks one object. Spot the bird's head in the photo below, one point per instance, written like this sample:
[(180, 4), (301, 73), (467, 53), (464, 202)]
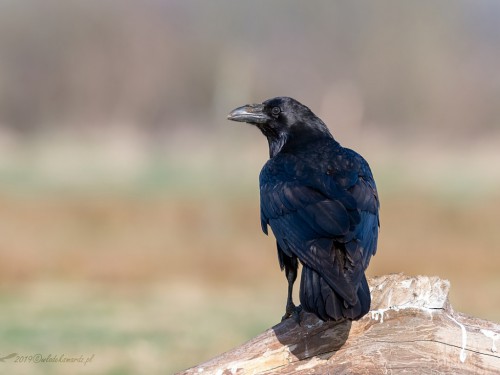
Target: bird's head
[(284, 121)]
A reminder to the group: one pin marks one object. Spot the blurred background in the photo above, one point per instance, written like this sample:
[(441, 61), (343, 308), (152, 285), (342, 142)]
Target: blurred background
[(129, 208)]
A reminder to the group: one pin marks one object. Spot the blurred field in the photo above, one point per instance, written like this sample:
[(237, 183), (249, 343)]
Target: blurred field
[(156, 284), (129, 220)]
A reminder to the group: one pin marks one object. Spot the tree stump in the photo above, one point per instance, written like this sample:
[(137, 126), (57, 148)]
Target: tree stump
[(411, 329)]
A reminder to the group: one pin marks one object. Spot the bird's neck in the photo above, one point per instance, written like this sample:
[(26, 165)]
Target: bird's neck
[(276, 144), (294, 142)]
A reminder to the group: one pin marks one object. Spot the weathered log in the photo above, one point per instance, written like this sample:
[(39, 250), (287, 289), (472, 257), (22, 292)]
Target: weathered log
[(411, 329)]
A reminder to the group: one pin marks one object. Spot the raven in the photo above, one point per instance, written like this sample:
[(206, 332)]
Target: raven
[(321, 203)]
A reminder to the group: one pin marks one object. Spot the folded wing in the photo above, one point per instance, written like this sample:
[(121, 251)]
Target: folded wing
[(329, 222)]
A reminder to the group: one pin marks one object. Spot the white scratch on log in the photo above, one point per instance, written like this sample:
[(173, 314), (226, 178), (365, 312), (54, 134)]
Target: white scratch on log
[(463, 354), (378, 314), (493, 336)]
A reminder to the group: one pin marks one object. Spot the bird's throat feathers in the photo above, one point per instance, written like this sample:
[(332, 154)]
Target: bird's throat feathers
[(295, 137), (276, 144)]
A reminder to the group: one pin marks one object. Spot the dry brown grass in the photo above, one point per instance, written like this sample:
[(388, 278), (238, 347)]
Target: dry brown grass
[(218, 240)]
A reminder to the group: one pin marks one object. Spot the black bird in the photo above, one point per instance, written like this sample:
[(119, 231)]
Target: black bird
[(321, 203)]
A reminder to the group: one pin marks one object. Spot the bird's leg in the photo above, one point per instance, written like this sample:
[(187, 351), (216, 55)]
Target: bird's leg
[(291, 269)]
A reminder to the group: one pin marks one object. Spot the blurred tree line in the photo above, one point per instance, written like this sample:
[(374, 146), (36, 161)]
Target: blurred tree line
[(69, 65)]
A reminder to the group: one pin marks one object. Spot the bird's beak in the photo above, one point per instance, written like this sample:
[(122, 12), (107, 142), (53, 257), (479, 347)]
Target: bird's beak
[(251, 113)]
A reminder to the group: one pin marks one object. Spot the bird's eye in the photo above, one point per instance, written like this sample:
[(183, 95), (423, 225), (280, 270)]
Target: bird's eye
[(276, 111)]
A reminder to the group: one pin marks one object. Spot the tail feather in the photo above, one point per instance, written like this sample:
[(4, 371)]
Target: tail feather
[(317, 297)]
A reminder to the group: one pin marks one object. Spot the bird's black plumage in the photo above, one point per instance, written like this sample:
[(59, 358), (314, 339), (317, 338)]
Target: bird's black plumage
[(321, 203)]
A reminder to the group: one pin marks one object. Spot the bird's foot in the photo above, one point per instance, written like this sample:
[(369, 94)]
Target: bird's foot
[(292, 311)]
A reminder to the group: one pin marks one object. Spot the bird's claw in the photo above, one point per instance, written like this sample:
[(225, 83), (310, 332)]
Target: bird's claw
[(293, 311)]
